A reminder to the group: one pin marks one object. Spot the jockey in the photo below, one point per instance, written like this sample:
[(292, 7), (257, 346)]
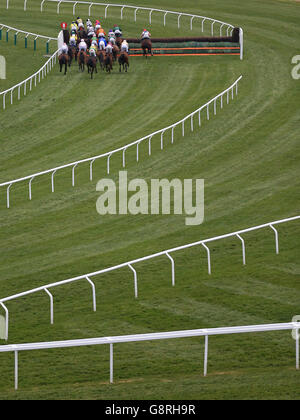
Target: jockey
[(90, 32), (64, 49), (97, 25), (74, 26), (125, 46), (93, 50), (101, 33), (73, 41), (102, 44), (109, 48), (117, 31), (80, 25), (78, 21), (82, 45), (112, 37), (89, 22), (94, 41), (145, 34)]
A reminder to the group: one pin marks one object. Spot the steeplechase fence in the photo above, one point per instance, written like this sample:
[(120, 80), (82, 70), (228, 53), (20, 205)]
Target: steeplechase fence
[(220, 99), (208, 332), (130, 265), (6, 30)]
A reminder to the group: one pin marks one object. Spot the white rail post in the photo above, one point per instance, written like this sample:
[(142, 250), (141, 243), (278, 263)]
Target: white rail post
[(207, 111), (243, 248), (165, 15), (42, 4), (150, 16), (111, 363), (124, 158), (178, 21), (137, 151), (94, 293), (208, 257), (212, 27), (191, 23), (74, 8), (122, 8), (149, 145), (16, 370), (135, 281), (183, 128), (192, 122), (58, 6), (135, 12), (108, 161), (90, 6), (105, 13), (276, 239), (7, 196), (215, 107), (199, 117), (51, 306), (73, 174), (162, 140), (205, 355), (221, 27), (52, 181), (25, 5), (91, 169), (6, 320), (203, 24), (173, 268), (30, 195)]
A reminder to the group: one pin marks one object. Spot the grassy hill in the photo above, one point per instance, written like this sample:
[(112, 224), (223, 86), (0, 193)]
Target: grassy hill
[(249, 157)]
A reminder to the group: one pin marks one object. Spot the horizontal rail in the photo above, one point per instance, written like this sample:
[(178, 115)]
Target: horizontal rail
[(208, 332), (165, 253), (231, 89)]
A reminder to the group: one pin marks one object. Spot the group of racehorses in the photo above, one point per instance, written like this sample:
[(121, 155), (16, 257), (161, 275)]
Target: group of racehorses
[(106, 60)]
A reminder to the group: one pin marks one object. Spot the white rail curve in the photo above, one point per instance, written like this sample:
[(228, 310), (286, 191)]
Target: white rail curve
[(16, 348), (206, 107), (222, 25), (129, 264), (30, 81)]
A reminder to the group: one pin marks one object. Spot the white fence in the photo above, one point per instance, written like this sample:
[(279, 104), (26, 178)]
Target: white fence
[(28, 83), (222, 26), (129, 264), (213, 102), (16, 348)]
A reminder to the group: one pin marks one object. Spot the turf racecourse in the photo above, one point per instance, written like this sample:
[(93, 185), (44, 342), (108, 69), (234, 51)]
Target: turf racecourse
[(249, 157)]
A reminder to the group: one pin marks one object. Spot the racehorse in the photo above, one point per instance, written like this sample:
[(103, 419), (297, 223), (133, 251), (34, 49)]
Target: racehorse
[(101, 58), (92, 65), (124, 60), (74, 52), (81, 58), (63, 61), (71, 54), (108, 62), (146, 47), (119, 41), (116, 51)]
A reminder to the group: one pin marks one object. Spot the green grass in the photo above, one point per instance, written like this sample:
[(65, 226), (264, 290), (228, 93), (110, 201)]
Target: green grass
[(249, 157)]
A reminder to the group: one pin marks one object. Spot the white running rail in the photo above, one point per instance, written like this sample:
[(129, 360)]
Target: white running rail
[(26, 33), (233, 89), (212, 22), (16, 348), (129, 264), (29, 82)]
